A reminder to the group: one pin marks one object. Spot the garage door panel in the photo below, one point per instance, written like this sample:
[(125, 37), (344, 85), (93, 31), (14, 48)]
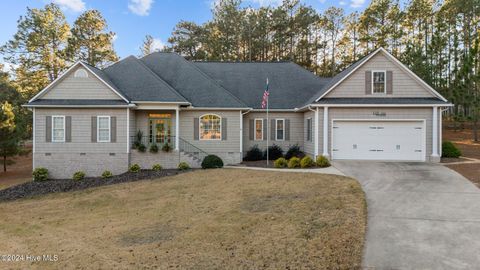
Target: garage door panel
[(382, 140)]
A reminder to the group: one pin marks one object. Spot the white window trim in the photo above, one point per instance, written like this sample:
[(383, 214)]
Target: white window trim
[(309, 130), (200, 127), (255, 129), (80, 71), (276, 129), (384, 82), (109, 129), (53, 128)]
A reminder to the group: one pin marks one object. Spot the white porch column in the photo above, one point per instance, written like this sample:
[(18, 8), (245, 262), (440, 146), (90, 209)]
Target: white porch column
[(435, 132), (177, 128), (325, 132), (317, 127), (241, 134)]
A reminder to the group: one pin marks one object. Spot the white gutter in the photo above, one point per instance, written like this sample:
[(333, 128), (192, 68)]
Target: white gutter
[(80, 106)]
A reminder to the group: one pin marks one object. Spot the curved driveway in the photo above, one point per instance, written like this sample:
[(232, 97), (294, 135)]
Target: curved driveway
[(420, 216)]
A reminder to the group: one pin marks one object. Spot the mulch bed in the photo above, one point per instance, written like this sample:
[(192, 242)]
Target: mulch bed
[(32, 188), (452, 160)]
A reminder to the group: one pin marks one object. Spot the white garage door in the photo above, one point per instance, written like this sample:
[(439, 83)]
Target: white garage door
[(378, 140)]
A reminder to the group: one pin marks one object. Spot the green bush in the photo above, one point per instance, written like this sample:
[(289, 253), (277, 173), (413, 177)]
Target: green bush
[(107, 174), (77, 176), (280, 163), (134, 168), (323, 162), (449, 150), (211, 162), (294, 151), (167, 148), (183, 166), (294, 162), (254, 154), (40, 174), (157, 167), (142, 148), (307, 162), (154, 148), (274, 152)]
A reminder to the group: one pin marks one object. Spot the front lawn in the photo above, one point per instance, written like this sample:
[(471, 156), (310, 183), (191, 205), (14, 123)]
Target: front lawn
[(208, 219)]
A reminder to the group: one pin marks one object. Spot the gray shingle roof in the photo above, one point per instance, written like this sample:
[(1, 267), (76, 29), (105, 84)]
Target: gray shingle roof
[(290, 85), (80, 102), (190, 81), (140, 83), (382, 101)]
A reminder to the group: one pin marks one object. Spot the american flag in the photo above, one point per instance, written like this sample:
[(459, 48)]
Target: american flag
[(265, 97)]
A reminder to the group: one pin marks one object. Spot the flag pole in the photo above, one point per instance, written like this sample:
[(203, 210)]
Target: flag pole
[(268, 122)]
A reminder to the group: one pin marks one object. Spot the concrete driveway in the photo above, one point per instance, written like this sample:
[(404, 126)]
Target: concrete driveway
[(420, 216)]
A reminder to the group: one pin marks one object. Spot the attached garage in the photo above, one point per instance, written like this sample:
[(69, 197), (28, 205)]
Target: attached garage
[(379, 140)]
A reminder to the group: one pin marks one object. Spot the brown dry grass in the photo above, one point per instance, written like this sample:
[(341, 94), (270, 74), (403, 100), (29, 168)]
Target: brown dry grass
[(18, 173), (216, 219)]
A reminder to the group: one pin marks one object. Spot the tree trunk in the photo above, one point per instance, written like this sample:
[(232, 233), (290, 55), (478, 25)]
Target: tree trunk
[(4, 163), (475, 130)]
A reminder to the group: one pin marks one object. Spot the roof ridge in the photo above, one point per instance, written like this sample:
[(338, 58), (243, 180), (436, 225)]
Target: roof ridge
[(242, 62), (156, 76)]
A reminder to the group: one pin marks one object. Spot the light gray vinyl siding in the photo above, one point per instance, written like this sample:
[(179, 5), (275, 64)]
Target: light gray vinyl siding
[(296, 130), (133, 127), (80, 88), (81, 131), (403, 85), (309, 146), (222, 147), (391, 113)]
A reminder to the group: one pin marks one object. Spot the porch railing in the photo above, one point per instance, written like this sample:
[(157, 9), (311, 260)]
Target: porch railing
[(184, 145)]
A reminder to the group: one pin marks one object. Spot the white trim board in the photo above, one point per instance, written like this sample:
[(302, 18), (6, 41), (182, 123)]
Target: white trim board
[(57, 80), (394, 60)]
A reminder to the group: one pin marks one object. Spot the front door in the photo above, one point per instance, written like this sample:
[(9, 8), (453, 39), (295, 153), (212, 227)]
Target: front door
[(160, 130)]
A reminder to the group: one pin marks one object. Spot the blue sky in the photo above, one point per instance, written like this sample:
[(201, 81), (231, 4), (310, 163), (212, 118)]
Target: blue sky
[(131, 20)]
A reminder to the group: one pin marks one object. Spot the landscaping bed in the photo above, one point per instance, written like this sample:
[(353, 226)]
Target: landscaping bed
[(34, 188)]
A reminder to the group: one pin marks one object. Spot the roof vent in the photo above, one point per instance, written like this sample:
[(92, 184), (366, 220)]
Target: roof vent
[(81, 73)]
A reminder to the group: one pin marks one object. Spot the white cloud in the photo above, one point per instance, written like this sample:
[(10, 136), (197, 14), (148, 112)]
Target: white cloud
[(357, 3), (342, 3), (73, 5), (157, 44), (140, 7), (322, 1), (264, 3)]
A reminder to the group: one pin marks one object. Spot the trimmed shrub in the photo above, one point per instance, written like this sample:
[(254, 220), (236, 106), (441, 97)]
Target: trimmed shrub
[(307, 162), (294, 151), (183, 166), (254, 154), (166, 147), (77, 176), (157, 167), (323, 162), (154, 148), (134, 168), (274, 152), (107, 174), (449, 150), (211, 162), (40, 174), (142, 148), (280, 163), (294, 162)]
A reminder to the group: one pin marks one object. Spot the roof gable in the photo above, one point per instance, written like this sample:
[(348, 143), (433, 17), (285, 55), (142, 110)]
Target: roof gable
[(91, 87)]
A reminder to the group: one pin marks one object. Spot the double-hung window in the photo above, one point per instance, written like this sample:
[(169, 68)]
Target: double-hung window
[(58, 128), (103, 128), (309, 129), (280, 129), (379, 82), (258, 129)]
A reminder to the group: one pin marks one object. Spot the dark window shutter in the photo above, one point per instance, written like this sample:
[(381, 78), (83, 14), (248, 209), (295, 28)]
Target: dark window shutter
[(48, 129), (224, 129), (113, 129), (265, 129), (196, 124), (94, 129), (68, 129), (389, 82), (273, 129), (368, 82), (251, 129), (287, 129)]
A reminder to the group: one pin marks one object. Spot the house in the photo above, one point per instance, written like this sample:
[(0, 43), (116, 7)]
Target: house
[(88, 119)]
